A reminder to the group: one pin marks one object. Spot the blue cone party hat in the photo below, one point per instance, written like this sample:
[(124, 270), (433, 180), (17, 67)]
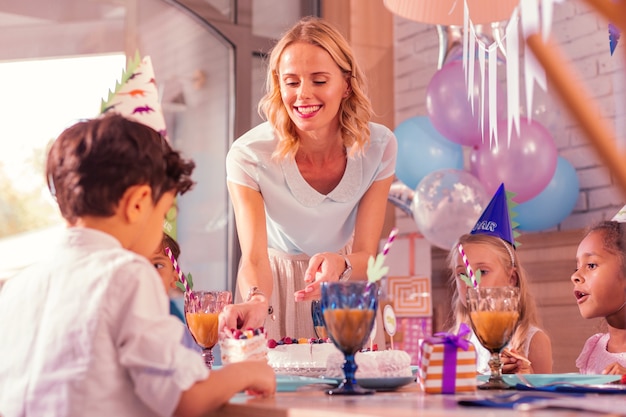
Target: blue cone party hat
[(620, 216), (496, 218)]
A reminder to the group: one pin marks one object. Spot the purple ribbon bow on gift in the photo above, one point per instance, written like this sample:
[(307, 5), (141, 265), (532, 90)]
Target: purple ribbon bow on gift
[(451, 342), (456, 340)]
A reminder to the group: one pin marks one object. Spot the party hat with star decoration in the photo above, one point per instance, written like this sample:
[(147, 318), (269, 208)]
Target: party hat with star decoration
[(496, 218)]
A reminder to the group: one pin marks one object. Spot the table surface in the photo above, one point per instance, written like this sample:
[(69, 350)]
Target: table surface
[(312, 401)]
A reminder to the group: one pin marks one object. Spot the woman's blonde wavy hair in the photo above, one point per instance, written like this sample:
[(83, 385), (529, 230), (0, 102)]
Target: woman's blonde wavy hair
[(528, 310), (355, 110)]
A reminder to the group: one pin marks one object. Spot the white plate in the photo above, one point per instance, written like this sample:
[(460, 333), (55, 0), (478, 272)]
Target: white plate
[(544, 379), (290, 383), (385, 383), (381, 384)]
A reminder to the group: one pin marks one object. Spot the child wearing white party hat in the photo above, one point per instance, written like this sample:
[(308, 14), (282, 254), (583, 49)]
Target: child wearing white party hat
[(136, 96), (600, 291), (489, 249), (88, 331)]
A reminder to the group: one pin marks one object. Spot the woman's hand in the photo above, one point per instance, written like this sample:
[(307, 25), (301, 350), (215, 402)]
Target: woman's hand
[(614, 369), (323, 267), (251, 314), (514, 363)]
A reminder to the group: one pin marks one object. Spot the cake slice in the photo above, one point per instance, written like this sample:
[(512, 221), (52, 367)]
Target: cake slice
[(243, 345)]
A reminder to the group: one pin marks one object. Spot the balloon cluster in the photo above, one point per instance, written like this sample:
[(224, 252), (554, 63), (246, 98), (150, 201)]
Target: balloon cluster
[(445, 200)]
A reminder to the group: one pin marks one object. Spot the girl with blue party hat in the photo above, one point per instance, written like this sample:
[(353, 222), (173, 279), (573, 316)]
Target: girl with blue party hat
[(489, 250), (600, 291)]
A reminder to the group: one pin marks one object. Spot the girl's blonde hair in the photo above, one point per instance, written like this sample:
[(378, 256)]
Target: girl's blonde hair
[(355, 110), (508, 259)]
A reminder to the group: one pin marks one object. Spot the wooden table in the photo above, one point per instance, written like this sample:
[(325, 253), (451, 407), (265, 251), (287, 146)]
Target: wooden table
[(311, 401)]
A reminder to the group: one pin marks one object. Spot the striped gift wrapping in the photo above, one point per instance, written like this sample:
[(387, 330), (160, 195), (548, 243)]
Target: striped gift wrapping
[(447, 369)]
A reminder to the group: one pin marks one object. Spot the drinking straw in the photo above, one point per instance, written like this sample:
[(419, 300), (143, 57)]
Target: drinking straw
[(376, 268), (468, 267), (390, 239), (181, 276), (372, 336)]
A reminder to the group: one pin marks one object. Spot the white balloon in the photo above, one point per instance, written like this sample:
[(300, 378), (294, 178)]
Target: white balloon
[(447, 203)]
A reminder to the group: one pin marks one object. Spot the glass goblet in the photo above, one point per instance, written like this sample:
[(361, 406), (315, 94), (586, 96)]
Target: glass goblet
[(494, 315), (318, 320), (349, 311), (202, 309)]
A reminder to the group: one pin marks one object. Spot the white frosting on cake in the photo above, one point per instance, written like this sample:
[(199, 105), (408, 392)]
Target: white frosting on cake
[(300, 357), (238, 350), (377, 364)]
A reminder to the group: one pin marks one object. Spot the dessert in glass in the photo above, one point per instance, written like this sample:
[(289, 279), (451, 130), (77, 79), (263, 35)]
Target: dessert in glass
[(494, 315), (349, 311), (202, 309)]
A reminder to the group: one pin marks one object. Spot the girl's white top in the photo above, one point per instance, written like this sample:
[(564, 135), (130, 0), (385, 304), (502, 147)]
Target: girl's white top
[(483, 355)]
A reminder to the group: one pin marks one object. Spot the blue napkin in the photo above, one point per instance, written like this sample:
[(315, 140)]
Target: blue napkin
[(510, 400), (573, 388), (529, 401)]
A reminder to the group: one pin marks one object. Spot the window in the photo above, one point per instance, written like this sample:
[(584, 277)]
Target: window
[(39, 99)]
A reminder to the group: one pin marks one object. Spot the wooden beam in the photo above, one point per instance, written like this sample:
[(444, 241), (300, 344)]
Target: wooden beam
[(576, 98)]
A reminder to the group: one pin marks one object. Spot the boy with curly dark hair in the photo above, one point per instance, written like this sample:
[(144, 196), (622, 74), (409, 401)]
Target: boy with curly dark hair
[(89, 332)]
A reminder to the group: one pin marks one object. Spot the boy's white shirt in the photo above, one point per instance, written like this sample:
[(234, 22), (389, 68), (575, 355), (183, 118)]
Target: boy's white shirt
[(89, 333)]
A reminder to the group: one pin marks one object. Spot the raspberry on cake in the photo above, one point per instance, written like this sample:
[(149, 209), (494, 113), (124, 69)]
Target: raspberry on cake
[(243, 345)]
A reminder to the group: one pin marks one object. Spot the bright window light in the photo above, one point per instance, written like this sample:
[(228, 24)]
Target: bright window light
[(38, 100)]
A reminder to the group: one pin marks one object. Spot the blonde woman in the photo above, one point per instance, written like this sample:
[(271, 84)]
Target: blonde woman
[(309, 186)]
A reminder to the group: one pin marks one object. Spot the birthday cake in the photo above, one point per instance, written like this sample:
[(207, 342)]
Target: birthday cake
[(243, 345), (300, 356), (373, 364)]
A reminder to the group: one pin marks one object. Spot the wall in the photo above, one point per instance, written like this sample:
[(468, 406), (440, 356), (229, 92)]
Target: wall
[(583, 38), (549, 256)]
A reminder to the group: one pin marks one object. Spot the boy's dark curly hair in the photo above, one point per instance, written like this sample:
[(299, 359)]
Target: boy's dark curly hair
[(92, 164)]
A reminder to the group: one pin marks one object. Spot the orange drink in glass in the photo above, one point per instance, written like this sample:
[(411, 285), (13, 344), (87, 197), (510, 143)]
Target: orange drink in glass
[(202, 309)]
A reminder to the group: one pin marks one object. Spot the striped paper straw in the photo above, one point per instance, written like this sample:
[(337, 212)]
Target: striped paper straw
[(181, 276), (390, 239), (468, 267)]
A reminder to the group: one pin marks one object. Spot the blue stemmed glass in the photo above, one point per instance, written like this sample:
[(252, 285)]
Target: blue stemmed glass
[(318, 320), (349, 311)]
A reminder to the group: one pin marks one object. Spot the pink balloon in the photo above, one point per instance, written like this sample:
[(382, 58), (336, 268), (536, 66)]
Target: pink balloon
[(525, 167), (451, 112)]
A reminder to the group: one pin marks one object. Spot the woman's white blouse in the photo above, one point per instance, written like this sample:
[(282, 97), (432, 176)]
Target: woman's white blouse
[(300, 219)]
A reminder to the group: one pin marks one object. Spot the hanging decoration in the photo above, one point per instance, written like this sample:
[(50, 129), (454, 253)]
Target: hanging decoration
[(481, 53)]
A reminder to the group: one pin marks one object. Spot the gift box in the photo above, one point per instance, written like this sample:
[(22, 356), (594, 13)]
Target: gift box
[(447, 363)]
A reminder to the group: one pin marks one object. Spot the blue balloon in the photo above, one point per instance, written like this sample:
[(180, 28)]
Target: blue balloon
[(554, 203), (422, 150)]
